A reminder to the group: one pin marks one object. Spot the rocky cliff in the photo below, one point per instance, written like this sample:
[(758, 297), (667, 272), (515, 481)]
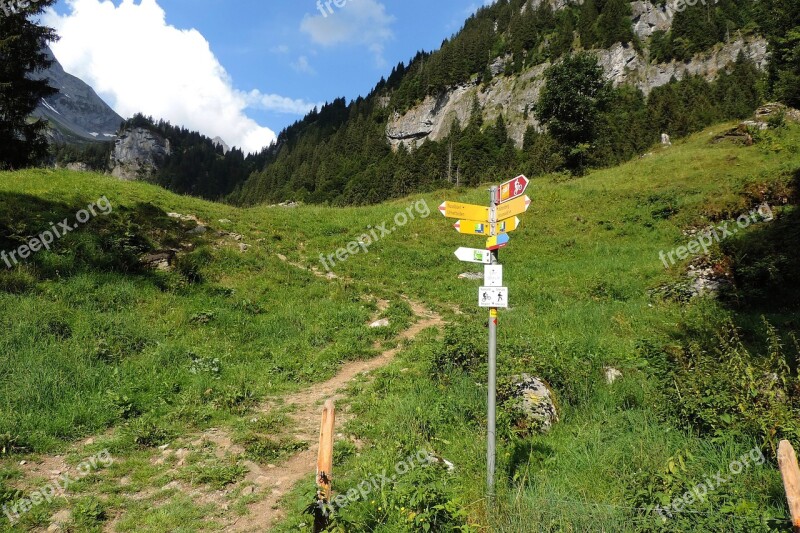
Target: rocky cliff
[(138, 153), (76, 113), (515, 96)]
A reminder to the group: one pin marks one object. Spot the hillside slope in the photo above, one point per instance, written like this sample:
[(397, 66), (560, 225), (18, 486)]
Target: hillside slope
[(195, 356), (76, 113), (469, 111)]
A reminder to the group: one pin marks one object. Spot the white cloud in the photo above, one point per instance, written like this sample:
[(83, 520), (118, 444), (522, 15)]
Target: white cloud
[(302, 65), (357, 22), (130, 55), (279, 104)]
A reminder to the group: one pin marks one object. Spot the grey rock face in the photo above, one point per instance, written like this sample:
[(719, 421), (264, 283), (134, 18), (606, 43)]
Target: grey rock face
[(623, 64), (515, 96), (648, 18), (138, 154), (76, 113)]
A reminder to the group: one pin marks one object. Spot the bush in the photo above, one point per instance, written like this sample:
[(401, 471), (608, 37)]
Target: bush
[(17, 281), (190, 266), (460, 351), (725, 387)]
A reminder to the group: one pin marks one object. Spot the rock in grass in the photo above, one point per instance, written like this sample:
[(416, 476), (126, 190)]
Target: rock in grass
[(530, 402), (382, 323), (612, 374)]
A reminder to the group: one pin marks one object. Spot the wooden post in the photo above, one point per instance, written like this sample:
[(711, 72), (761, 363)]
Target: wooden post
[(325, 465), (787, 462)]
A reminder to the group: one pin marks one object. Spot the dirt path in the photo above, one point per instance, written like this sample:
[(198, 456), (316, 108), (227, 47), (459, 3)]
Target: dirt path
[(307, 411), (269, 482)]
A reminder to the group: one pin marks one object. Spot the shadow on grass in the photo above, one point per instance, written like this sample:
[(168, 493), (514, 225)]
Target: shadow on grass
[(765, 262), (527, 456), (113, 240)]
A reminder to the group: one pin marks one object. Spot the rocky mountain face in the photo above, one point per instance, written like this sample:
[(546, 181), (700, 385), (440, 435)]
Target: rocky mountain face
[(515, 96), (76, 113), (138, 153)]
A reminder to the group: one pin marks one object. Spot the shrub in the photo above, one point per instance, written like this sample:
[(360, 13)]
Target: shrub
[(726, 387), (460, 350), (190, 266)]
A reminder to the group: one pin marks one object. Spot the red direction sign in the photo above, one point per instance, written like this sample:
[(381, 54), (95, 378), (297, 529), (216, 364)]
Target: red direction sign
[(512, 189)]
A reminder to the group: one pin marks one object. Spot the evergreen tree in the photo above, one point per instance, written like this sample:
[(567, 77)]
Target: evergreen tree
[(22, 43), (737, 92), (614, 23), (568, 104), (587, 22), (781, 20)]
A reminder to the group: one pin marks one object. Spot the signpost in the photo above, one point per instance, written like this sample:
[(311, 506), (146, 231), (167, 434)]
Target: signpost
[(512, 189), (493, 275), (473, 255), (469, 211), (513, 207), (497, 242), (494, 222), (471, 227), (508, 225), (493, 297)]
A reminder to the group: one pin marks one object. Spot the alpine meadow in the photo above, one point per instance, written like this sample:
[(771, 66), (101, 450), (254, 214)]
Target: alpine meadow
[(210, 327)]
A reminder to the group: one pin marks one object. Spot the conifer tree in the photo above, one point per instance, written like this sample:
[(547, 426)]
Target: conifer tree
[(22, 54)]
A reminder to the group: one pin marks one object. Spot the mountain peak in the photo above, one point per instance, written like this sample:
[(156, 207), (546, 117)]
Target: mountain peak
[(76, 113), (219, 142)]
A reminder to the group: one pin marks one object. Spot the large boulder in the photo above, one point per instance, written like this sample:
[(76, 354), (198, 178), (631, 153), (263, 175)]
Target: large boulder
[(530, 402)]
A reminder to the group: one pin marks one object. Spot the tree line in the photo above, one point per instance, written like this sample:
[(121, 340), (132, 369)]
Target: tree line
[(339, 154)]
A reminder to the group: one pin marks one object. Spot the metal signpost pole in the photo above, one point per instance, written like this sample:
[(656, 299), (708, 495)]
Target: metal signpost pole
[(491, 433), (496, 221)]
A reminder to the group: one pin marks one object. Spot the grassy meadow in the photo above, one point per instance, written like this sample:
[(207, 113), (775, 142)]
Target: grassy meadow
[(99, 353)]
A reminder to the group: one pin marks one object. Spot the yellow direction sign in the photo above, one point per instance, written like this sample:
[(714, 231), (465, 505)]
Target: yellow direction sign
[(472, 227), (508, 225), (513, 208), (468, 211)]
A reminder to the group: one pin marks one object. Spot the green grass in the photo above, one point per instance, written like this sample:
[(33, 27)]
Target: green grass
[(142, 358)]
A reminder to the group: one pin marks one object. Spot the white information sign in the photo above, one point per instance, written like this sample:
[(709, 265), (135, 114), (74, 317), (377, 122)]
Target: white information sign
[(494, 297), (493, 275)]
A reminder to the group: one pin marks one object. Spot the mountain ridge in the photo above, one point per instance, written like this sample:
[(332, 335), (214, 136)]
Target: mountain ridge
[(76, 113)]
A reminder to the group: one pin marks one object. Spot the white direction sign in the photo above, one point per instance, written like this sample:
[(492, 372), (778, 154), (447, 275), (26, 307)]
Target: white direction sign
[(493, 275), (494, 297), (474, 255)]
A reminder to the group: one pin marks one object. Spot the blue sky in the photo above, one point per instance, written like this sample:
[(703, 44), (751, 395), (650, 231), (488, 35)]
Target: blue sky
[(280, 57)]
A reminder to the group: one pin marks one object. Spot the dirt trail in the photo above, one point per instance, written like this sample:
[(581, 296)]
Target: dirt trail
[(307, 411), (273, 481)]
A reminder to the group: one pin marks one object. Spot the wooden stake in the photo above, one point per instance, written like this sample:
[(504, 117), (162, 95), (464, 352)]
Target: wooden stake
[(787, 462), (325, 464)]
